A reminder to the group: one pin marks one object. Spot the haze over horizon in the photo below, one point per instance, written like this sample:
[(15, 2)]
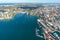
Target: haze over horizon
[(29, 1)]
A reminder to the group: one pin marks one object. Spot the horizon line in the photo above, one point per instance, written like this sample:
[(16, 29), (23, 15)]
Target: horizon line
[(33, 3)]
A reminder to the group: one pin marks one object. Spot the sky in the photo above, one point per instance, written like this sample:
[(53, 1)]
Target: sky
[(29, 1)]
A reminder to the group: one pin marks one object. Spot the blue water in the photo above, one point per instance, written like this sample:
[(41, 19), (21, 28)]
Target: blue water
[(31, 8), (21, 27)]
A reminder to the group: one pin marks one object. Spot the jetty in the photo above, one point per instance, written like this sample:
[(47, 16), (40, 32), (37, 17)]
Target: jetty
[(47, 31)]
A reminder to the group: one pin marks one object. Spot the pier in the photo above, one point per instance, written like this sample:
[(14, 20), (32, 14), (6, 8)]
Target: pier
[(47, 30)]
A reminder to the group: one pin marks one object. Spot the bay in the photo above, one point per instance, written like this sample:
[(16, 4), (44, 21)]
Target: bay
[(21, 27)]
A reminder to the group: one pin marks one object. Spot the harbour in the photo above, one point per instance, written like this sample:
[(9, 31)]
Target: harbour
[(30, 22)]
